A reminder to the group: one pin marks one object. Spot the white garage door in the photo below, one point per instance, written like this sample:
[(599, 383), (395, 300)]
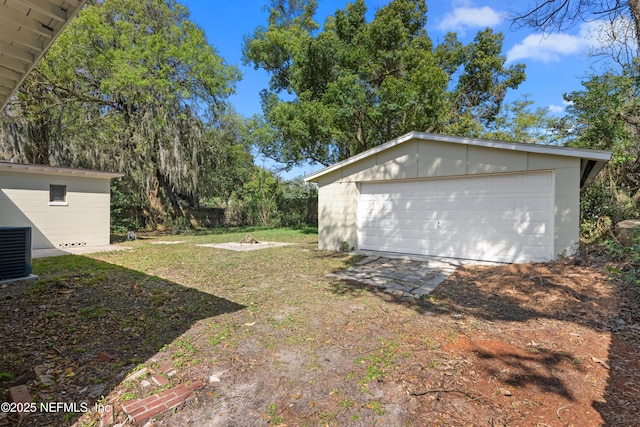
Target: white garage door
[(507, 218)]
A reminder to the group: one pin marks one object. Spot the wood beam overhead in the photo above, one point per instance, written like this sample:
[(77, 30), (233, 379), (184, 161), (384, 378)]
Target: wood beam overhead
[(27, 30)]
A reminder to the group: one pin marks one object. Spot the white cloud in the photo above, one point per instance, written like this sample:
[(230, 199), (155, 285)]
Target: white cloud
[(558, 109), (469, 17), (552, 47), (548, 48)]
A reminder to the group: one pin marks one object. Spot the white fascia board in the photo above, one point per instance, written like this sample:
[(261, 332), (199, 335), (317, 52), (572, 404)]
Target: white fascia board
[(370, 152), (598, 155), (53, 170)]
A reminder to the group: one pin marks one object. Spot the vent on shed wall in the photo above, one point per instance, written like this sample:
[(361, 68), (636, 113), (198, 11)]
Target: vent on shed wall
[(15, 252), (72, 244)]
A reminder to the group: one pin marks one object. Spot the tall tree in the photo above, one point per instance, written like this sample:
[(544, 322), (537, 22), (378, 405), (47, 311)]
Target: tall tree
[(129, 86), (518, 122), (606, 113), (548, 15), (356, 84), (482, 79)]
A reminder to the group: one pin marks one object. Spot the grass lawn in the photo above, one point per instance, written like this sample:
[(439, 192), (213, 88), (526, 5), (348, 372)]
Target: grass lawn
[(275, 342)]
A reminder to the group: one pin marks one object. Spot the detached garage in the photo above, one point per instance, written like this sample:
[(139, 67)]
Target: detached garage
[(457, 197)]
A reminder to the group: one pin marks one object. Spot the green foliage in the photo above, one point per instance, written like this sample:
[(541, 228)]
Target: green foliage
[(606, 115), (266, 200), (357, 84), (298, 203), (376, 407), (260, 194), (275, 419), (627, 257), (378, 363), (124, 215), (134, 87), (483, 80), (518, 123), (36, 288)]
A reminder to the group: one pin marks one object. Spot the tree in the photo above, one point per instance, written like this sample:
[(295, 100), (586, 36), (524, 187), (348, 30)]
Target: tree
[(260, 196), (517, 122), (561, 15), (298, 203), (357, 84), (134, 87), (482, 79), (606, 113), (604, 116)]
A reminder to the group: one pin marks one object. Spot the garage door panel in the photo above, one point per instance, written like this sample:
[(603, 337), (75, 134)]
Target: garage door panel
[(503, 204), (401, 233), (540, 203), (502, 217)]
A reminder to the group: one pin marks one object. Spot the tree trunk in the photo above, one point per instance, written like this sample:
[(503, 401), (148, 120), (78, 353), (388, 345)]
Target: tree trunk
[(634, 7), (40, 135)]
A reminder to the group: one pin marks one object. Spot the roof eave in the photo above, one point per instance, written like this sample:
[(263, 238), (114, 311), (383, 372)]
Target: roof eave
[(60, 171), (71, 12), (589, 169), (593, 155)]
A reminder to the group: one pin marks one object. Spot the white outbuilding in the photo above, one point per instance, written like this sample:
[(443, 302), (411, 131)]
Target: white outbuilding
[(65, 207)]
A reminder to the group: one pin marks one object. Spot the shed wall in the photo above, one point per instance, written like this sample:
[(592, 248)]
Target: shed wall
[(419, 159), (85, 220)]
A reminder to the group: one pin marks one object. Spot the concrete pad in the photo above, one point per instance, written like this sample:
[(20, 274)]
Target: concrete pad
[(400, 274), (243, 247), (79, 250)]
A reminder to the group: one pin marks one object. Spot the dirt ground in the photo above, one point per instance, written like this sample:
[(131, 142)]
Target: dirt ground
[(554, 344), (527, 345)]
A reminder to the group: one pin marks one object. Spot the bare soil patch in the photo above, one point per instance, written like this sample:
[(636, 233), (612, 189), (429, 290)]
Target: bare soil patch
[(542, 345), (277, 343)]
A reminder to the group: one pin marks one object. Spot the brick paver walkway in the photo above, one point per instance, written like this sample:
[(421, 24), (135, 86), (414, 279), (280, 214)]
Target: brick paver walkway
[(400, 277)]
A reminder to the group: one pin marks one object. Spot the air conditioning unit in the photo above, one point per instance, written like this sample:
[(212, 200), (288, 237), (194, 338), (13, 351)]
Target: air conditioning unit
[(15, 252)]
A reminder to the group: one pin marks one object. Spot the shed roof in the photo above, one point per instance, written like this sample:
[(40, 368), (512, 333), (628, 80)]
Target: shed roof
[(27, 30), (591, 161), (56, 170)]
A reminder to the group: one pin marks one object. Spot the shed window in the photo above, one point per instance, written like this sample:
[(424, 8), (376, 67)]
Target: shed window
[(57, 194)]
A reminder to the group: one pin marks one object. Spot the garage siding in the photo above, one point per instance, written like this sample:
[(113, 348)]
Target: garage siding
[(337, 215), (338, 191)]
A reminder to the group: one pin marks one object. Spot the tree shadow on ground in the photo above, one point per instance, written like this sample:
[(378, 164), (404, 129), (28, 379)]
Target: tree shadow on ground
[(622, 395), (523, 369), (571, 291), (80, 308)]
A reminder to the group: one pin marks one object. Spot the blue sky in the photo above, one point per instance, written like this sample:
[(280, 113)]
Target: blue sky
[(555, 63)]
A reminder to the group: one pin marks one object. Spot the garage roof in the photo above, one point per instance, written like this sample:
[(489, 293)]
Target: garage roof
[(27, 30), (56, 170), (591, 161)]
